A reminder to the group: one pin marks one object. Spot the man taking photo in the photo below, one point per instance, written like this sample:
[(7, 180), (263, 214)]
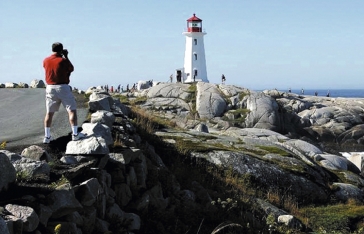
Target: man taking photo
[(58, 69)]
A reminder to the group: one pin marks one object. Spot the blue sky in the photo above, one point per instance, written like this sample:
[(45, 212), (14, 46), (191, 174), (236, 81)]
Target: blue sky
[(257, 44)]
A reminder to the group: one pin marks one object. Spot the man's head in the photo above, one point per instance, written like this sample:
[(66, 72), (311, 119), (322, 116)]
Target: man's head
[(57, 47)]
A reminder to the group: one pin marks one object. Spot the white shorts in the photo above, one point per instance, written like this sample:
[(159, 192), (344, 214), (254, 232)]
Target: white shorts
[(57, 94)]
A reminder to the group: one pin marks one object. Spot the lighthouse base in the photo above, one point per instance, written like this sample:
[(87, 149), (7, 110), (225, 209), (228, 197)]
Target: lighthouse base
[(188, 80)]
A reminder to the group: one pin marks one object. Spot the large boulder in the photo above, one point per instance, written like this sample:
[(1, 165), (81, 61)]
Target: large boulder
[(11, 85), (90, 145), (26, 214), (209, 101), (27, 168), (23, 85), (263, 112), (98, 130), (37, 84), (100, 100), (168, 90), (62, 201), (8, 173), (87, 192), (103, 117), (36, 153)]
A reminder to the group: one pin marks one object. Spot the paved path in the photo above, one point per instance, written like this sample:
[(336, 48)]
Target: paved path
[(22, 113)]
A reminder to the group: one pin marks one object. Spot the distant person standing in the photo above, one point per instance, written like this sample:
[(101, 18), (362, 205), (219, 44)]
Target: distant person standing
[(316, 93), (328, 93), (302, 91), (289, 90), (223, 79), (58, 69)]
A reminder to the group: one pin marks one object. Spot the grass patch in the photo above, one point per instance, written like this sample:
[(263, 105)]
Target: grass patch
[(242, 95), (192, 89), (334, 218), (275, 150), (23, 175), (62, 181), (139, 100), (239, 116), (123, 99), (149, 122)]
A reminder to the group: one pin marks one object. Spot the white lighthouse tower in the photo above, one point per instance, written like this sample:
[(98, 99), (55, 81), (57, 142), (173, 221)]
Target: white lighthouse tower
[(194, 68)]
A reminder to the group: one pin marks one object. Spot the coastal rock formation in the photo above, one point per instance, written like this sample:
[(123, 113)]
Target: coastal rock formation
[(114, 179)]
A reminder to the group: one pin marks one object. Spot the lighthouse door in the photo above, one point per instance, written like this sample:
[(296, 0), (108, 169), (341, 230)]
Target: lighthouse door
[(179, 75)]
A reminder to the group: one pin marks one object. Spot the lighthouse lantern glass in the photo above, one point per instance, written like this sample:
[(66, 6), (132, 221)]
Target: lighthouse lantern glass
[(194, 24)]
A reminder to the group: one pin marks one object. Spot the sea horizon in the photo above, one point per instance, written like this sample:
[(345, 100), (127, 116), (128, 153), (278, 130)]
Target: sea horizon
[(345, 93)]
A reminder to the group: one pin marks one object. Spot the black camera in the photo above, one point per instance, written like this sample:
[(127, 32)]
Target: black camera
[(64, 52)]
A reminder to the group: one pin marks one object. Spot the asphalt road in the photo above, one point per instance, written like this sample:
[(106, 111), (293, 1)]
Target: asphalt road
[(22, 113)]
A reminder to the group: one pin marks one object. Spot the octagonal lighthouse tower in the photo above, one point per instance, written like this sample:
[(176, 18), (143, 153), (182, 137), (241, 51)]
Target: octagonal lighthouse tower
[(194, 68)]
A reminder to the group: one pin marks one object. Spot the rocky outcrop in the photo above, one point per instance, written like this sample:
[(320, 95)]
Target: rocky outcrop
[(336, 123), (113, 178)]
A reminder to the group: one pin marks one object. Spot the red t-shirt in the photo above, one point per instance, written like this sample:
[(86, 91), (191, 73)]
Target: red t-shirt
[(57, 69)]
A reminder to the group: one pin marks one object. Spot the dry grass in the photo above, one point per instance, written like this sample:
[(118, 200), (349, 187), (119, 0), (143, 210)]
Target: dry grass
[(149, 122), (3, 145), (287, 201)]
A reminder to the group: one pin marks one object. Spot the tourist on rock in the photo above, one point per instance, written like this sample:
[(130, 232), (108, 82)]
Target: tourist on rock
[(58, 69)]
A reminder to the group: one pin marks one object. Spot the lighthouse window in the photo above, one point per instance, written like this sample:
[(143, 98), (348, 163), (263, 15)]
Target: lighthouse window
[(195, 56), (195, 40)]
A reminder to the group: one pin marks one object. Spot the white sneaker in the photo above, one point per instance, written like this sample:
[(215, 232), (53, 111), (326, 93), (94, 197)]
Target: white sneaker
[(47, 140), (79, 136)]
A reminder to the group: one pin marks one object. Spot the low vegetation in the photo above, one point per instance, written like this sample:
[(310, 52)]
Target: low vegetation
[(192, 99), (274, 150), (238, 117), (3, 145), (336, 218)]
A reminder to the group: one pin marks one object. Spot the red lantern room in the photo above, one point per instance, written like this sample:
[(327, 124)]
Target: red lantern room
[(194, 24)]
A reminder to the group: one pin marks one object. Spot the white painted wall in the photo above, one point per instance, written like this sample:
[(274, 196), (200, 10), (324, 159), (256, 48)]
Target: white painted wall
[(190, 63)]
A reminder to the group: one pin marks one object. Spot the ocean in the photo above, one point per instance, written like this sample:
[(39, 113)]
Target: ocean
[(346, 93)]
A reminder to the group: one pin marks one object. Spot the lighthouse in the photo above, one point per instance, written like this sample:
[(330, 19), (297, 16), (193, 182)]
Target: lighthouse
[(194, 68)]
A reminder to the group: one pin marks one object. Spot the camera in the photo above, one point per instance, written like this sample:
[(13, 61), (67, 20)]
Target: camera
[(64, 52)]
